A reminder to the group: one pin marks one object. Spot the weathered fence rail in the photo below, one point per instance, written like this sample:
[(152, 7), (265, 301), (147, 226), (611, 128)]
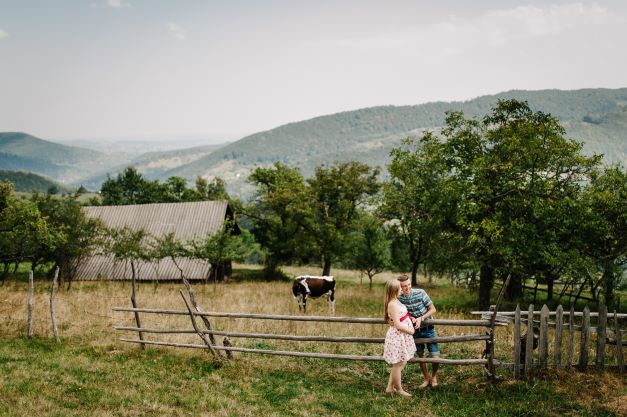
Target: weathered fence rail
[(207, 334), (319, 319)]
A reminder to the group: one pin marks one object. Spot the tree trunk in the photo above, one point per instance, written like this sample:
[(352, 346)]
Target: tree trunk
[(609, 283), (326, 269), (550, 280), (486, 282), (515, 287), (414, 273)]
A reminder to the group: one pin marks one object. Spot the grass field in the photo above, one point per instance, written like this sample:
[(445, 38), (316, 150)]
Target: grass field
[(91, 373)]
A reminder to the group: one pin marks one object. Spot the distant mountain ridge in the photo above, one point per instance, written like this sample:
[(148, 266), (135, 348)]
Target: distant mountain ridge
[(369, 134), (598, 117), (28, 182)]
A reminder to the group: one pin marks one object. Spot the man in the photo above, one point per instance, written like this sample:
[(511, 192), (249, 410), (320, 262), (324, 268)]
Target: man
[(421, 308)]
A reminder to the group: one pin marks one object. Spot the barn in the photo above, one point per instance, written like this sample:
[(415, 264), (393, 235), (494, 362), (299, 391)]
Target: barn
[(192, 220)]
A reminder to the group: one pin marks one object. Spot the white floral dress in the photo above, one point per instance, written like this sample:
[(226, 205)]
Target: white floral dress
[(399, 346)]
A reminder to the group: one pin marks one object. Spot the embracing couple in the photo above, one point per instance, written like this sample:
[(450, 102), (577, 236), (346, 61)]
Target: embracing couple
[(408, 311)]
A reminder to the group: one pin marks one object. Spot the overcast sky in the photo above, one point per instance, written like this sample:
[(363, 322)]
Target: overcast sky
[(222, 69)]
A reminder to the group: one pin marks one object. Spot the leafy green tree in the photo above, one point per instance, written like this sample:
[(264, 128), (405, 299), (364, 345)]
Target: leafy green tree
[(78, 236), (370, 247), (418, 199), (279, 211), (129, 187), (221, 247), (605, 200), (24, 233), (215, 190), (336, 194), (504, 169)]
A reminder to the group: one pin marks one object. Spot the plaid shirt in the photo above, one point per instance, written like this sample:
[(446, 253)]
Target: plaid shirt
[(417, 302)]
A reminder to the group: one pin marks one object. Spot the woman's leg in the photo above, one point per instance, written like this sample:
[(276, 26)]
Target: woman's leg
[(397, 369)]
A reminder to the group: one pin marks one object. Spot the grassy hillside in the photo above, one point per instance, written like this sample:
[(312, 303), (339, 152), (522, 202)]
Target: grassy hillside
[(66, 164), (596, 116), (28, 182)]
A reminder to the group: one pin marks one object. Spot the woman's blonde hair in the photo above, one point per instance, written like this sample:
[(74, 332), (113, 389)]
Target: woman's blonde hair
[(392, 287)]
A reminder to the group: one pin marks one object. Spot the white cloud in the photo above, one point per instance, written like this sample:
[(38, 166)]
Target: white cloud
[(492, 28), (176, 30), (117, 4), (3, 34)]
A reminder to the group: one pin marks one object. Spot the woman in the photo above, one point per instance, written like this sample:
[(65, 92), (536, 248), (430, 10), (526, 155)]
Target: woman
[(399, 344)]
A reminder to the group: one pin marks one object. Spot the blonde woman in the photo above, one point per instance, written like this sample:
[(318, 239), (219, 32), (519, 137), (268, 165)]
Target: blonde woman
[(399, 344)]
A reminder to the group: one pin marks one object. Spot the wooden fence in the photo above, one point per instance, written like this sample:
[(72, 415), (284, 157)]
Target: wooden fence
[(523, 353), (569, 342), (208, 333)]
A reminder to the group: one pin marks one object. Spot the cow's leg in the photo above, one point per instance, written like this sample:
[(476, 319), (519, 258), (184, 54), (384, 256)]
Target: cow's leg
[(304, 303), (332, 302)]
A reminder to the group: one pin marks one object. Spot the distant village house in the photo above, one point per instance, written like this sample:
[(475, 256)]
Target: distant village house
[(193, 220)]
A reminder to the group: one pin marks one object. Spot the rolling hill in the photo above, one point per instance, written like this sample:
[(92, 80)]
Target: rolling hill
[(597, 117), (65, 164), (27, 182)]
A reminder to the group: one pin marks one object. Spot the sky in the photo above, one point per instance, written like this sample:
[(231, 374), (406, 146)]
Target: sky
[(219, 70)]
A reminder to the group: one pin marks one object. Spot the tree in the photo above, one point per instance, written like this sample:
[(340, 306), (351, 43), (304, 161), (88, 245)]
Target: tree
[(78, 236), (605, 201), (336, 194), (129, 187), (279, 211), (215, 190), (370, 246), (503, 170), (221, 247), (417, 200), (24, 232)]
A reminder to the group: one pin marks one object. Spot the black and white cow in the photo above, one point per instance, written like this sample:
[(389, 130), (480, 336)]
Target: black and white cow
[(309, 286)]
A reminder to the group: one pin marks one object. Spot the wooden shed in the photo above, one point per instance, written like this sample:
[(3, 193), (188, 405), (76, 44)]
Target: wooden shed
[(194, 220)]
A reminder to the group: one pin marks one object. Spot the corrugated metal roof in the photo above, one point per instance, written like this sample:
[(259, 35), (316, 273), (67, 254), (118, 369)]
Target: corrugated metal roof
[(185, 220)]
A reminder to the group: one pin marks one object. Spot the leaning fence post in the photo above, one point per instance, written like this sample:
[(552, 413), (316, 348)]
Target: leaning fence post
[(490, 330), (559, 323), (517, 342), (585, 339), (529, 342), (619, 344), (205, 320), (200, 333), (571, 337), (30, 303), (543, 350), (53, 313), (601, 333)]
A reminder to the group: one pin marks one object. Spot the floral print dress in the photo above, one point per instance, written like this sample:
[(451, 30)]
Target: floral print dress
[(399, 346)]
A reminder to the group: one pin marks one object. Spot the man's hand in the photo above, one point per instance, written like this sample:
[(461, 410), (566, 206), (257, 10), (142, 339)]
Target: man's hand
[(417, 322)]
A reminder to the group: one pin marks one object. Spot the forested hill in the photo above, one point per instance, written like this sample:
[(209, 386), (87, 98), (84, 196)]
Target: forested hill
[(28, 182), (596, 116), (21, 151)]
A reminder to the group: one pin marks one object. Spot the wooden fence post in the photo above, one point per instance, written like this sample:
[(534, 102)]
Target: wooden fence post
[(517, 342), (559, 323), (619, 344), (543, 350), (571, 337), (585, 340), (53, 313), (601, 333), (529, 342), (30, 303)]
